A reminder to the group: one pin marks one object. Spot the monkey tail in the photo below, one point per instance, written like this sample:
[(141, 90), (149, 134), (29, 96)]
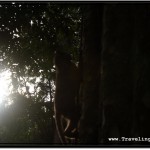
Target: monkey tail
[(59, 127)]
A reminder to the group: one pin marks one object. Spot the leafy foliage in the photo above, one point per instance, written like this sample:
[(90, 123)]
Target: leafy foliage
[(30, 33)]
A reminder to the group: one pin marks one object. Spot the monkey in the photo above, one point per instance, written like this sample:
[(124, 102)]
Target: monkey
[(65, 103)]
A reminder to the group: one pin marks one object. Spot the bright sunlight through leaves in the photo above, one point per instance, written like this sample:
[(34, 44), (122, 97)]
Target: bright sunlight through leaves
[(5, 80)]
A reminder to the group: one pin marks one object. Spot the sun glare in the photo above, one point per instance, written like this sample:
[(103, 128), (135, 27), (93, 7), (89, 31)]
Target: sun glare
[(5, 80)]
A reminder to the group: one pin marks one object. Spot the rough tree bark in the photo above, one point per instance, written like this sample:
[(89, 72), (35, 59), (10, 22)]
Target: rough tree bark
[(89, 124), (117, 71), (115, 91)]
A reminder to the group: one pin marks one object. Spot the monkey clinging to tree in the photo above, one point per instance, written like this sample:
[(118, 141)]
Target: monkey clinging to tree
[(66, 105)]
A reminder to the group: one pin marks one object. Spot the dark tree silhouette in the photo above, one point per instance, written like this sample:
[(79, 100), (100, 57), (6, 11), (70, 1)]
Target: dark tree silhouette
[(115, 90)]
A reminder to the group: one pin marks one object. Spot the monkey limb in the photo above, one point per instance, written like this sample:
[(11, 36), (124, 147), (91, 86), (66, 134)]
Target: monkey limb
[(59, 127), (67, 86)]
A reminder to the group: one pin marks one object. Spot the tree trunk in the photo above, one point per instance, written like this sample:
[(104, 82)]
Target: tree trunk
[(117, 71), (89, 124), (115, 91)]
